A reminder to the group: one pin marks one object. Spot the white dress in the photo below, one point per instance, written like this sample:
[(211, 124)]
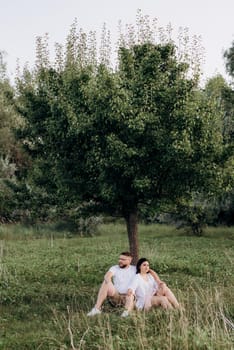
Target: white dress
[(143, 290)]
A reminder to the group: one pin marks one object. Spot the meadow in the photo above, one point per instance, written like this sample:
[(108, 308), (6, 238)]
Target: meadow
[(49, 281)]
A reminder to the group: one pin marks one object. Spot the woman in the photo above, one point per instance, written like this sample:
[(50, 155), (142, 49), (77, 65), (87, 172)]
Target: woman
[(148, 290)]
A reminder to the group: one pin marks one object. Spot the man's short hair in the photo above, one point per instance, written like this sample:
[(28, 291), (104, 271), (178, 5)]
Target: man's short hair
[(126, 254)]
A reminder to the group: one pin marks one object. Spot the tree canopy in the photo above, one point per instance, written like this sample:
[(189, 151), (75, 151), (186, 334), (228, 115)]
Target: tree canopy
[(229, 58), (121, 139)]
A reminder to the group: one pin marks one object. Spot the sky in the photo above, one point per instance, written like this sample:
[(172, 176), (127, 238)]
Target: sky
[(23, 20)]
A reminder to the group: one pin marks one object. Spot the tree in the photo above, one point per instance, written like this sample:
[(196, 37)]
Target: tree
[(122, 139), (224, 94), (11, 156), (229, 58), (7, 116)]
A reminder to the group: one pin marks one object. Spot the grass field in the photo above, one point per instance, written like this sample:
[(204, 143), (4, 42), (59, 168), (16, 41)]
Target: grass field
[(49, 282)]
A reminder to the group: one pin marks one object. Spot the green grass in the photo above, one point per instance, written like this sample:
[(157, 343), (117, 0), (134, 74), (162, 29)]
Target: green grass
[(48, 282)]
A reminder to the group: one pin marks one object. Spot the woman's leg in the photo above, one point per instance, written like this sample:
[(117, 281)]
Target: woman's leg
[(161, 301), (165, 291)]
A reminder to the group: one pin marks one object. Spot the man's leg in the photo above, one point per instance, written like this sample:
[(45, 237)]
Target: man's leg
[(106, 289), (129, 302), (129, 305)]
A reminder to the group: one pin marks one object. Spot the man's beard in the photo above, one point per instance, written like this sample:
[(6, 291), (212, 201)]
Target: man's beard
[(123, 266)]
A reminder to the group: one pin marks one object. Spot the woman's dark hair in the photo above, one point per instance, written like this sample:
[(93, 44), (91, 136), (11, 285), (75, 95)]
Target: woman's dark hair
[(138, 265)]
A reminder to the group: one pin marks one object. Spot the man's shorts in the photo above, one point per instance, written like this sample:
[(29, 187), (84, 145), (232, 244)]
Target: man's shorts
[(117, 299)]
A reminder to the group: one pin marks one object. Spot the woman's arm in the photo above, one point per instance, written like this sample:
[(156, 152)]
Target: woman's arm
[(156, 277)]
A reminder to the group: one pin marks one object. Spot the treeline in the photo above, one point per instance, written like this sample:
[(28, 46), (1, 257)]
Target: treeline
[(141, 140)]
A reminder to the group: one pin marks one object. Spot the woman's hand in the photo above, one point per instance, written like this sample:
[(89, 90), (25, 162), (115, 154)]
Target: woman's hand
[(162, 284)]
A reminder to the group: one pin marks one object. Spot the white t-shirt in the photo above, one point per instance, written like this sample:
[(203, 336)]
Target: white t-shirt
[(122, 277), (143, 290)]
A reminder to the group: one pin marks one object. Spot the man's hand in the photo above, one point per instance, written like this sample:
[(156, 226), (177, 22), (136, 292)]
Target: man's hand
[(129, 292)]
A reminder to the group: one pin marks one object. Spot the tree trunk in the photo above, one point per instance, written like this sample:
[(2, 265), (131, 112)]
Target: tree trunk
[(132, 229)]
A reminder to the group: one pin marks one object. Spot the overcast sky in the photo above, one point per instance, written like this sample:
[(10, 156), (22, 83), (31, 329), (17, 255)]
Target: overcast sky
[(21, 21)]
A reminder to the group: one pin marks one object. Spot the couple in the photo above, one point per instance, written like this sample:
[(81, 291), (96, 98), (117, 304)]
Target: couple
[(133, 286)]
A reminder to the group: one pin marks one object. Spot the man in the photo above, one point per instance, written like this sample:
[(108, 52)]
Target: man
[(116, 291)]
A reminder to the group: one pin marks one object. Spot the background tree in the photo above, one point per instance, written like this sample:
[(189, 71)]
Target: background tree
[(121, 139), (202, 210), (226, 214), (11, 155), (229, 59)]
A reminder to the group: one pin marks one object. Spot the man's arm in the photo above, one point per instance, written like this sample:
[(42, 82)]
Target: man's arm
[(108, 276)]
